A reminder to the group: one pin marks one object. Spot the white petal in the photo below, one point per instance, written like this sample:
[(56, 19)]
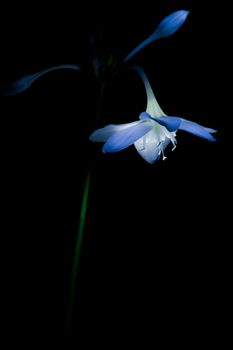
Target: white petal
[(102, 134), (147, 146), (150, 145)]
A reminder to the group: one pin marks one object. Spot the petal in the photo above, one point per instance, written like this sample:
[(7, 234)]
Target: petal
[(171, 123), (197, 129), (145, 115), (25, 82), (102, 134), (170, 24), (176, 123), (148, 146), (167, 27), (126, 137)]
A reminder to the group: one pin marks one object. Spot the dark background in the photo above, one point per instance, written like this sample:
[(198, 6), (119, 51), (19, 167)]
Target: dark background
[(156, 255)]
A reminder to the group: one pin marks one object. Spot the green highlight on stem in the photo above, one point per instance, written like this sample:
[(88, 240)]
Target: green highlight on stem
[(80, 231), (77, 251)]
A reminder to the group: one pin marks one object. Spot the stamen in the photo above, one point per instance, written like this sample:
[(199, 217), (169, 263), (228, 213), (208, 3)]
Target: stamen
[(161, 150), (174, 142)]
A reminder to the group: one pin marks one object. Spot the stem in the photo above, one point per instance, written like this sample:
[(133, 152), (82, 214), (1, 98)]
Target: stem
[(101, 95), (80, 231), (76, 259)]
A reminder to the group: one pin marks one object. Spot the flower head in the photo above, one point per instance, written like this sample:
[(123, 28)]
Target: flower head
[(152, 133), (168, 26)]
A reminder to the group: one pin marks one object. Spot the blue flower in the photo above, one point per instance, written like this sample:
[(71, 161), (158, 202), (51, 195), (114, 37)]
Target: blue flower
[(167, 27), (152, 133)]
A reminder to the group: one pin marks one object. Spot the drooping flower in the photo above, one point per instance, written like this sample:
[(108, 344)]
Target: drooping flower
[(168, 26), (152, 133)]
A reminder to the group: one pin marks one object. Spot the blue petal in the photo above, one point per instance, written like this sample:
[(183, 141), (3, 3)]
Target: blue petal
[(124, 138), (145, 115), (175, 123), (197, 129), (25, 82), (171, 123), (167, 27), (170, 24)]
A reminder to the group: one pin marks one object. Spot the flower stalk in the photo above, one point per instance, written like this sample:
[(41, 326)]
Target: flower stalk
[(76, 259), (80, 231)]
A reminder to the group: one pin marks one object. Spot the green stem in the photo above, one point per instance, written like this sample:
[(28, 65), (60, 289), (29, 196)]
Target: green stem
[(78, 243), (76, 259)]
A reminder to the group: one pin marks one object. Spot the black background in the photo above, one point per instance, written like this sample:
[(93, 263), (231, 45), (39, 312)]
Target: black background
[(155, 262)]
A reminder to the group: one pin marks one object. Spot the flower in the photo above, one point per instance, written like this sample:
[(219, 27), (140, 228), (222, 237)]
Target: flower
[(168, 26), (152, 133)]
